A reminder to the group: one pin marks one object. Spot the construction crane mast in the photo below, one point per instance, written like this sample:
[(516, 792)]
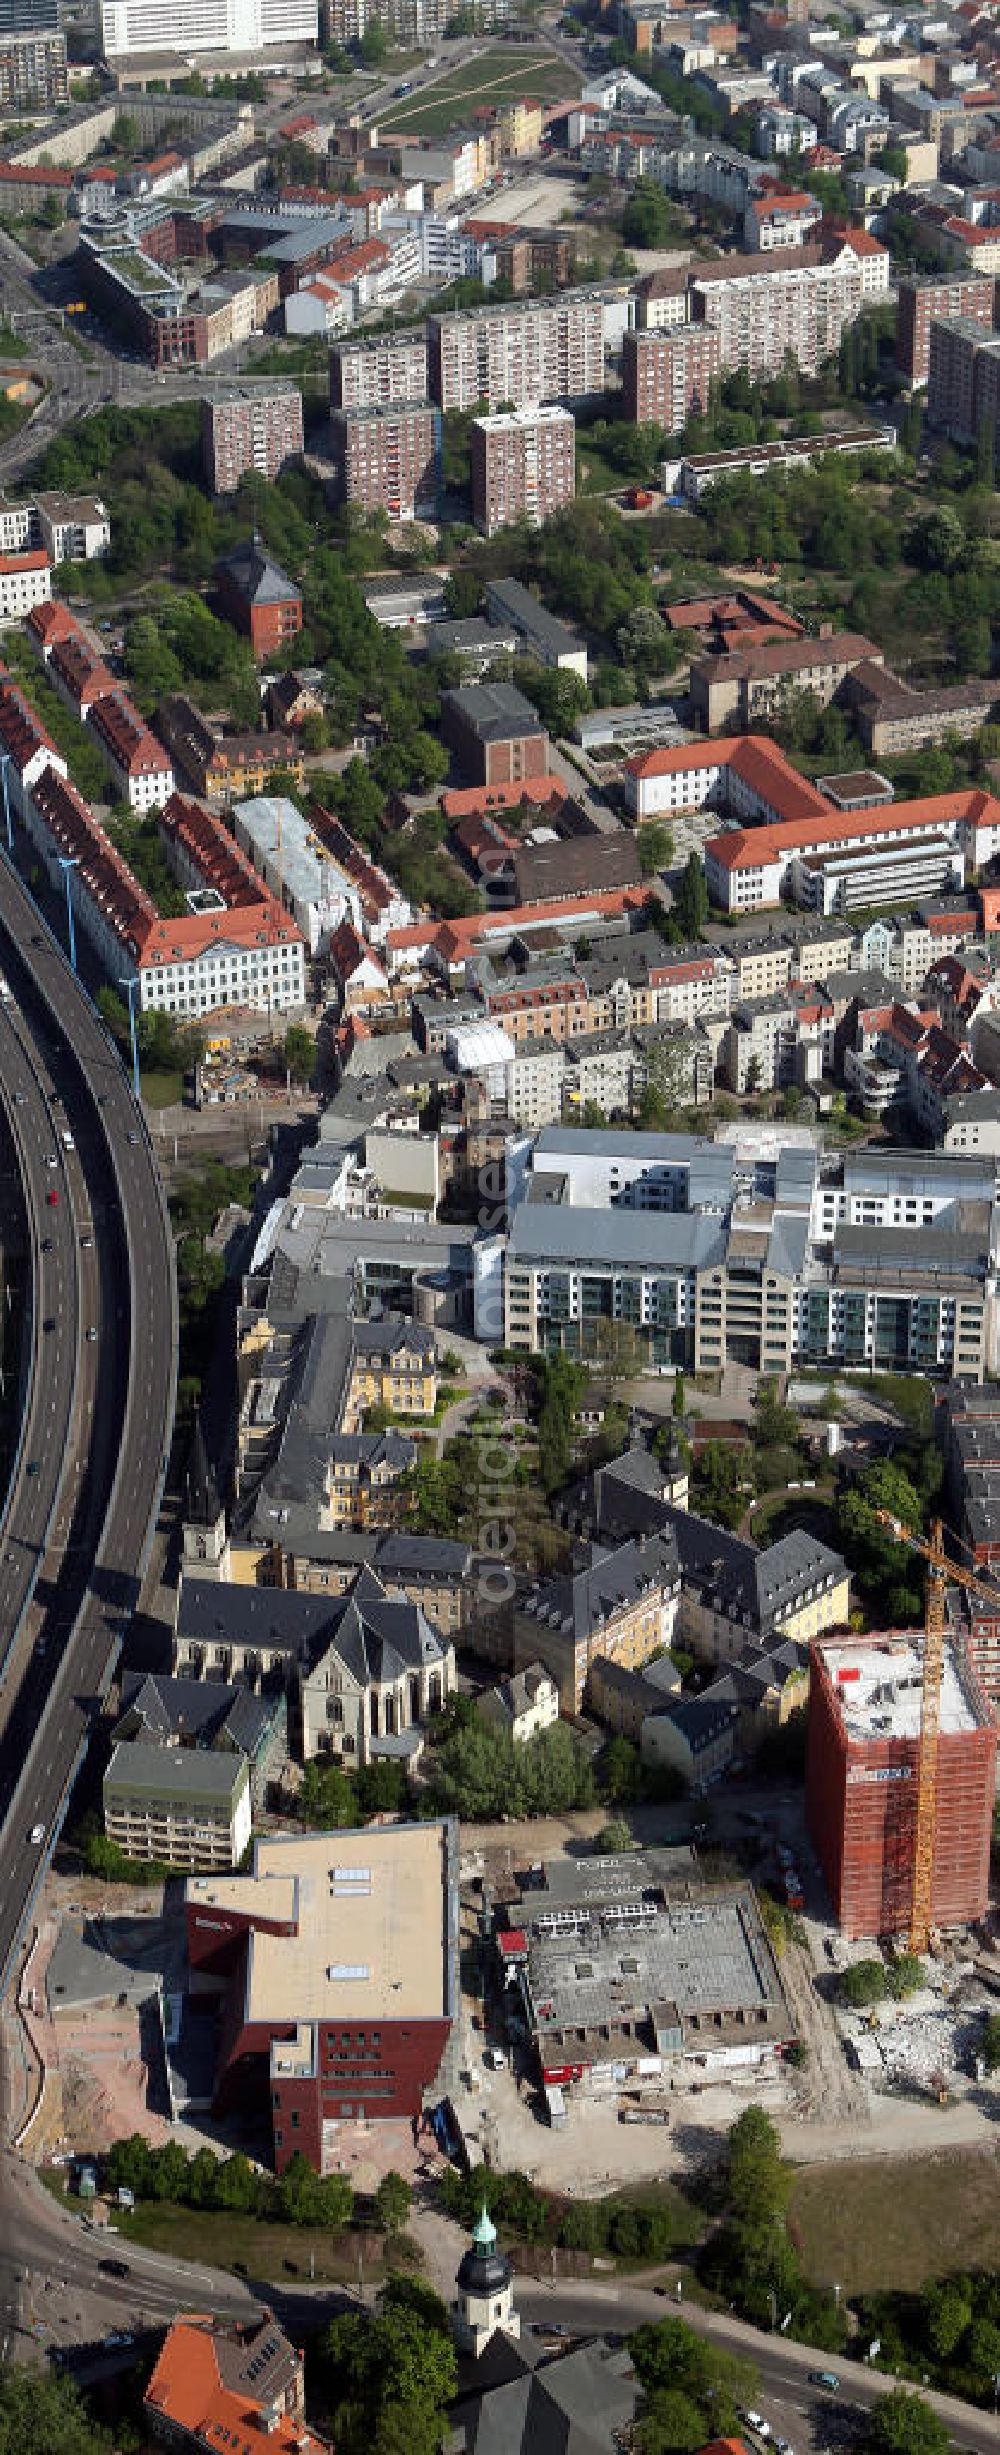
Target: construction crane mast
[(942, 1571)]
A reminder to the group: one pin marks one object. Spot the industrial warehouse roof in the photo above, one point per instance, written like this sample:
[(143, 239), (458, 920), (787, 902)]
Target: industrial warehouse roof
[(878, 1683), (371, 1916)]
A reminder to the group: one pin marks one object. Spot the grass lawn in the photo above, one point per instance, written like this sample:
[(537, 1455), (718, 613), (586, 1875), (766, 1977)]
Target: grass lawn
[(162, 1090), (498, 76), (243, 2244), (880, 2225)]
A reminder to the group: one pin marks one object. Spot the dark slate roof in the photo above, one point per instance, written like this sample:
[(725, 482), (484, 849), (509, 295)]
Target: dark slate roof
[(422, 1555), (260, 580), (757, 1587), (584, 1599), (202, 1506), (207, 1713), (700, 1719), (378, 1639), (581, 2403), (274, 1616)]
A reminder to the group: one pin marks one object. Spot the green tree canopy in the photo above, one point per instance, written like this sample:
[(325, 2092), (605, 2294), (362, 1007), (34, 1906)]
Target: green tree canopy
[(905, 2424)]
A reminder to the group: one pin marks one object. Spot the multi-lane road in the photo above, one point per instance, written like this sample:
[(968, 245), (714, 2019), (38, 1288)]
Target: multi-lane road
[(83, 1498)]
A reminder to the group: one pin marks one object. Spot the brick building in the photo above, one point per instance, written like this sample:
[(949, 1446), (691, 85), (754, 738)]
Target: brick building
[(936, 298), (523, 467), (495, 732), (336, 1963), (258, 598), (388, 459), (861, 1782), (963, 379), (250, 427), (667, 376)]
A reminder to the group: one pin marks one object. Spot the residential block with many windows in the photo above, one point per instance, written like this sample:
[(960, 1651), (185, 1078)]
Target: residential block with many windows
[(388, 459), (254, 427), (523, 467), (539, 349), (667, 376)]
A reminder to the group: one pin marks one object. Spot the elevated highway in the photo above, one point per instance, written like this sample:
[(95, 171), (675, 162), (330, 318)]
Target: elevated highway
[(88, 1469)]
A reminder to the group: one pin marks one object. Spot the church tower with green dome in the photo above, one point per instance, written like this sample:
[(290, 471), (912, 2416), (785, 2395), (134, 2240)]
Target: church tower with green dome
[(484, 2305)]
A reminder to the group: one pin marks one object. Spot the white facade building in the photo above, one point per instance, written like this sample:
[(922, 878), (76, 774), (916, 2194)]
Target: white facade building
[(25, 580), (195, 26)]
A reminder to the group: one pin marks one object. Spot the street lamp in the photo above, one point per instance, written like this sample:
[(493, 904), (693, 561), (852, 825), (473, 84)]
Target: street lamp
[(4, 787), (130, 982), (69, 861)]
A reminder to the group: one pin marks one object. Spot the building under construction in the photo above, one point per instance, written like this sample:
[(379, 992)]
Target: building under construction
[(862, 1768)]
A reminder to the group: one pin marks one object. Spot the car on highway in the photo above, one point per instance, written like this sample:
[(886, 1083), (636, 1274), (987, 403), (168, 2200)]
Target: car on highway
[(37, 1836), (52, 1198), (51, 1159), (86, 1240), (133, 1137), (67, 1139), (782, 2446), (19, 1099), (756, 2421), (32, 1467), (114, 2267), (119, 2336), (824, 2378), (92, 1331)]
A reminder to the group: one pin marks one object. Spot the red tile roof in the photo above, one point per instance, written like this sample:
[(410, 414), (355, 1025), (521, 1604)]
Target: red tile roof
[(189, 2388), (129, 741)]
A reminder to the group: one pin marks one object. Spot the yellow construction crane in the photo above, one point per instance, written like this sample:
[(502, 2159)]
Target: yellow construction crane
[(941, 1571)]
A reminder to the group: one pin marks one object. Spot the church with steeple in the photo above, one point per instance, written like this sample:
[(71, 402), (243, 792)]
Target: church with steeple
[(485, 2302), (204, 1541), (579, 2396)]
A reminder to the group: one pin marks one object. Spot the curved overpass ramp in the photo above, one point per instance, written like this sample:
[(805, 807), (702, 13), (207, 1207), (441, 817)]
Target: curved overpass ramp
[(88, 1472)]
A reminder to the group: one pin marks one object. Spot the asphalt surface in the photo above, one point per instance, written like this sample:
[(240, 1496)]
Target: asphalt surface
[(75, 1535), (54, 2284)]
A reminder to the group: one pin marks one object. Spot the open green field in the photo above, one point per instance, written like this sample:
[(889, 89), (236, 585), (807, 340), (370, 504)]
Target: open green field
[(890, 2223), (498, 76)]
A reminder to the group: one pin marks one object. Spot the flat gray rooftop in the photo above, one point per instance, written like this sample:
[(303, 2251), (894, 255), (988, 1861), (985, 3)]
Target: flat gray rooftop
[(618, 1963)]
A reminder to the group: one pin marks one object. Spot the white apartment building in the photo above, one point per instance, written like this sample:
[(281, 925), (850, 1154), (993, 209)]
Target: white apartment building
[(195, 26), (766, 313), (73, 528), (25, 580), (530, 350)]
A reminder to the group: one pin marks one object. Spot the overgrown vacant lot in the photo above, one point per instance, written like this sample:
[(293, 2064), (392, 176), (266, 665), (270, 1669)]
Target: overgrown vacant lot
[(895, 2222)]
